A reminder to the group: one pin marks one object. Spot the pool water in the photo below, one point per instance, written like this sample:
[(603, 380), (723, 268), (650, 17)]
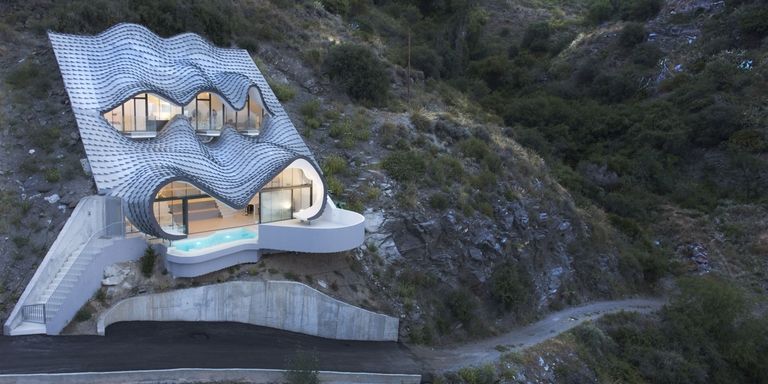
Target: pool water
[(217, 238)]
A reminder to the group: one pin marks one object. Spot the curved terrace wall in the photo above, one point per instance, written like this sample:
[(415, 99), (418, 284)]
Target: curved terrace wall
[(284, 305)]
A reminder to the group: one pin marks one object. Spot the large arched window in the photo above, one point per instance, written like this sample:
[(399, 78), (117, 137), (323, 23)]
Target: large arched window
[(182, 208), (146, 114)]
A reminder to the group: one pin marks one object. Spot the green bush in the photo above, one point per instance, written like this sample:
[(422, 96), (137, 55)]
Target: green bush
[(148, 261), (485, 374), (753, 21), (439, 201), (310, 114), (640, 10), (462, 305), (361, 74), (404, 165), (599, 11), (303, 369), (536, 37), (510, 285), (750, 140), (83, 314), (420, 122), (52, 175), (334, 165), (29, 77), (339, 7), (631, 35), (350, 130), (283, 92), (335, 187), (389, 134)]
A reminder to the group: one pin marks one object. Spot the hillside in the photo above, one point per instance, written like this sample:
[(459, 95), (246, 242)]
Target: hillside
[(540, 155)]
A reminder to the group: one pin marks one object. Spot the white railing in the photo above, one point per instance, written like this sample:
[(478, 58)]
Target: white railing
[(86, 251)]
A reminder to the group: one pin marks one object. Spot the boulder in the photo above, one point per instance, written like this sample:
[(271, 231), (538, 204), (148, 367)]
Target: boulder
[(373, 220), (53, 199), (115, 274)]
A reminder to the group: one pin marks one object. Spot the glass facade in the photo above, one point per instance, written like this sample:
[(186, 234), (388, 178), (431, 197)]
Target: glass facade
[(146, 114), (183, 208)]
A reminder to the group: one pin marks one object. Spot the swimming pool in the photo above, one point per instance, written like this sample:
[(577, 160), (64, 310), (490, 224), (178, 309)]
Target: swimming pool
[(217, 238)]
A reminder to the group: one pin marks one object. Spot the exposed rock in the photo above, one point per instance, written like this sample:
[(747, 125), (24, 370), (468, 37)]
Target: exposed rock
[(373, 220), (53, 199), (86, 166), (115, 274)]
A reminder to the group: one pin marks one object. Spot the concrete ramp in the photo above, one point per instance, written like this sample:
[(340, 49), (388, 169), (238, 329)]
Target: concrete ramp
[(285, 305)]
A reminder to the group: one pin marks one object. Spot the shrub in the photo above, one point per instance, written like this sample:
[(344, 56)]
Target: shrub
[(438, 201), (632, 34), (510, 286), (339, 7), (83, 314), (283, 92), (462, 305), (303, 369), (389, 134), (309, 112), (640, 10), (474, 148), (349, 130), (478, 375), (536, 37), (52, 175), (753, 21), (335, 187), (750, 140), (359, 72), (148, 261), (404, 165), (29, 166), (599, 11), (334, 165), (29, 77), (20, 241), (420, 122)]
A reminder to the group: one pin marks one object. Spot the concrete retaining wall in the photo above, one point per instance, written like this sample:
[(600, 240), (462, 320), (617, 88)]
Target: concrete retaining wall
[(192, 375), (284, 305)]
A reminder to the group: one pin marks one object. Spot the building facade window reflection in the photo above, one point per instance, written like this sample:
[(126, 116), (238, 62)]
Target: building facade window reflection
[(146, 114)]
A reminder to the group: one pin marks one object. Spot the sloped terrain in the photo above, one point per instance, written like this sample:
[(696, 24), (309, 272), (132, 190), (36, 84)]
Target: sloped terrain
[(535, 154)]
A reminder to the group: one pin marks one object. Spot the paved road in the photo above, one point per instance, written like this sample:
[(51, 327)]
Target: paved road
[(454, 357), (162, 345)]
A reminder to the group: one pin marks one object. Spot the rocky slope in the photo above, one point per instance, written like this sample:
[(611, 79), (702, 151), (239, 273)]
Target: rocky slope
[(428, 260)]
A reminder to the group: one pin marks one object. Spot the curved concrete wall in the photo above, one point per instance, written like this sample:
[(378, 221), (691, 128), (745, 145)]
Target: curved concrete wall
[(284, 305), (186, 266), (337, 230)]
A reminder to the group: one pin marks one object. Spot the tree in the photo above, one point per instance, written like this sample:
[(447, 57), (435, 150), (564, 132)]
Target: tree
[(361, 74)]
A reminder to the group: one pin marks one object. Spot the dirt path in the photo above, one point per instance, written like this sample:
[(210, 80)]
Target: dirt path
[(453, 357)]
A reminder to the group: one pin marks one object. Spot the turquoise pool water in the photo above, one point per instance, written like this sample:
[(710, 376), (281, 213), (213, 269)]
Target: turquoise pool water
[(217, 238)]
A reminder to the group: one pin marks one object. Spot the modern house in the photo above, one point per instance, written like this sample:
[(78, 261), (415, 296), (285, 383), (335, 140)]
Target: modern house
[(188, 144), (194, 141)]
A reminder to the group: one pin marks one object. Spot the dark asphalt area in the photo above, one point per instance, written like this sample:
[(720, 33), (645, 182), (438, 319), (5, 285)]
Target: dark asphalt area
[(162, 345)]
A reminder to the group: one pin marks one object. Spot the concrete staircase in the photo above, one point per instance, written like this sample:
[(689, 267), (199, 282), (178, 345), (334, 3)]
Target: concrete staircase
[(59, 286), (69, 275)]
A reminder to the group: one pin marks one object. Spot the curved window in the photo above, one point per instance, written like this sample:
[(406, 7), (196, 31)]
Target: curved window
[(146, 114), (182, 208)]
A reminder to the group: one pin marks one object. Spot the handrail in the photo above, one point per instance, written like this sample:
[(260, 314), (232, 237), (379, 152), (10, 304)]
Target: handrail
[(87, 245), (34, 313)]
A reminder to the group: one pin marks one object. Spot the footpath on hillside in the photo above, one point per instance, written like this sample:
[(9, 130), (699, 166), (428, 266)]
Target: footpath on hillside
[(453, 357)]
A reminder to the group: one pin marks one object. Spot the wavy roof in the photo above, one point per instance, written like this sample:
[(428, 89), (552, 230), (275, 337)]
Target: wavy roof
[(103, 71)]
